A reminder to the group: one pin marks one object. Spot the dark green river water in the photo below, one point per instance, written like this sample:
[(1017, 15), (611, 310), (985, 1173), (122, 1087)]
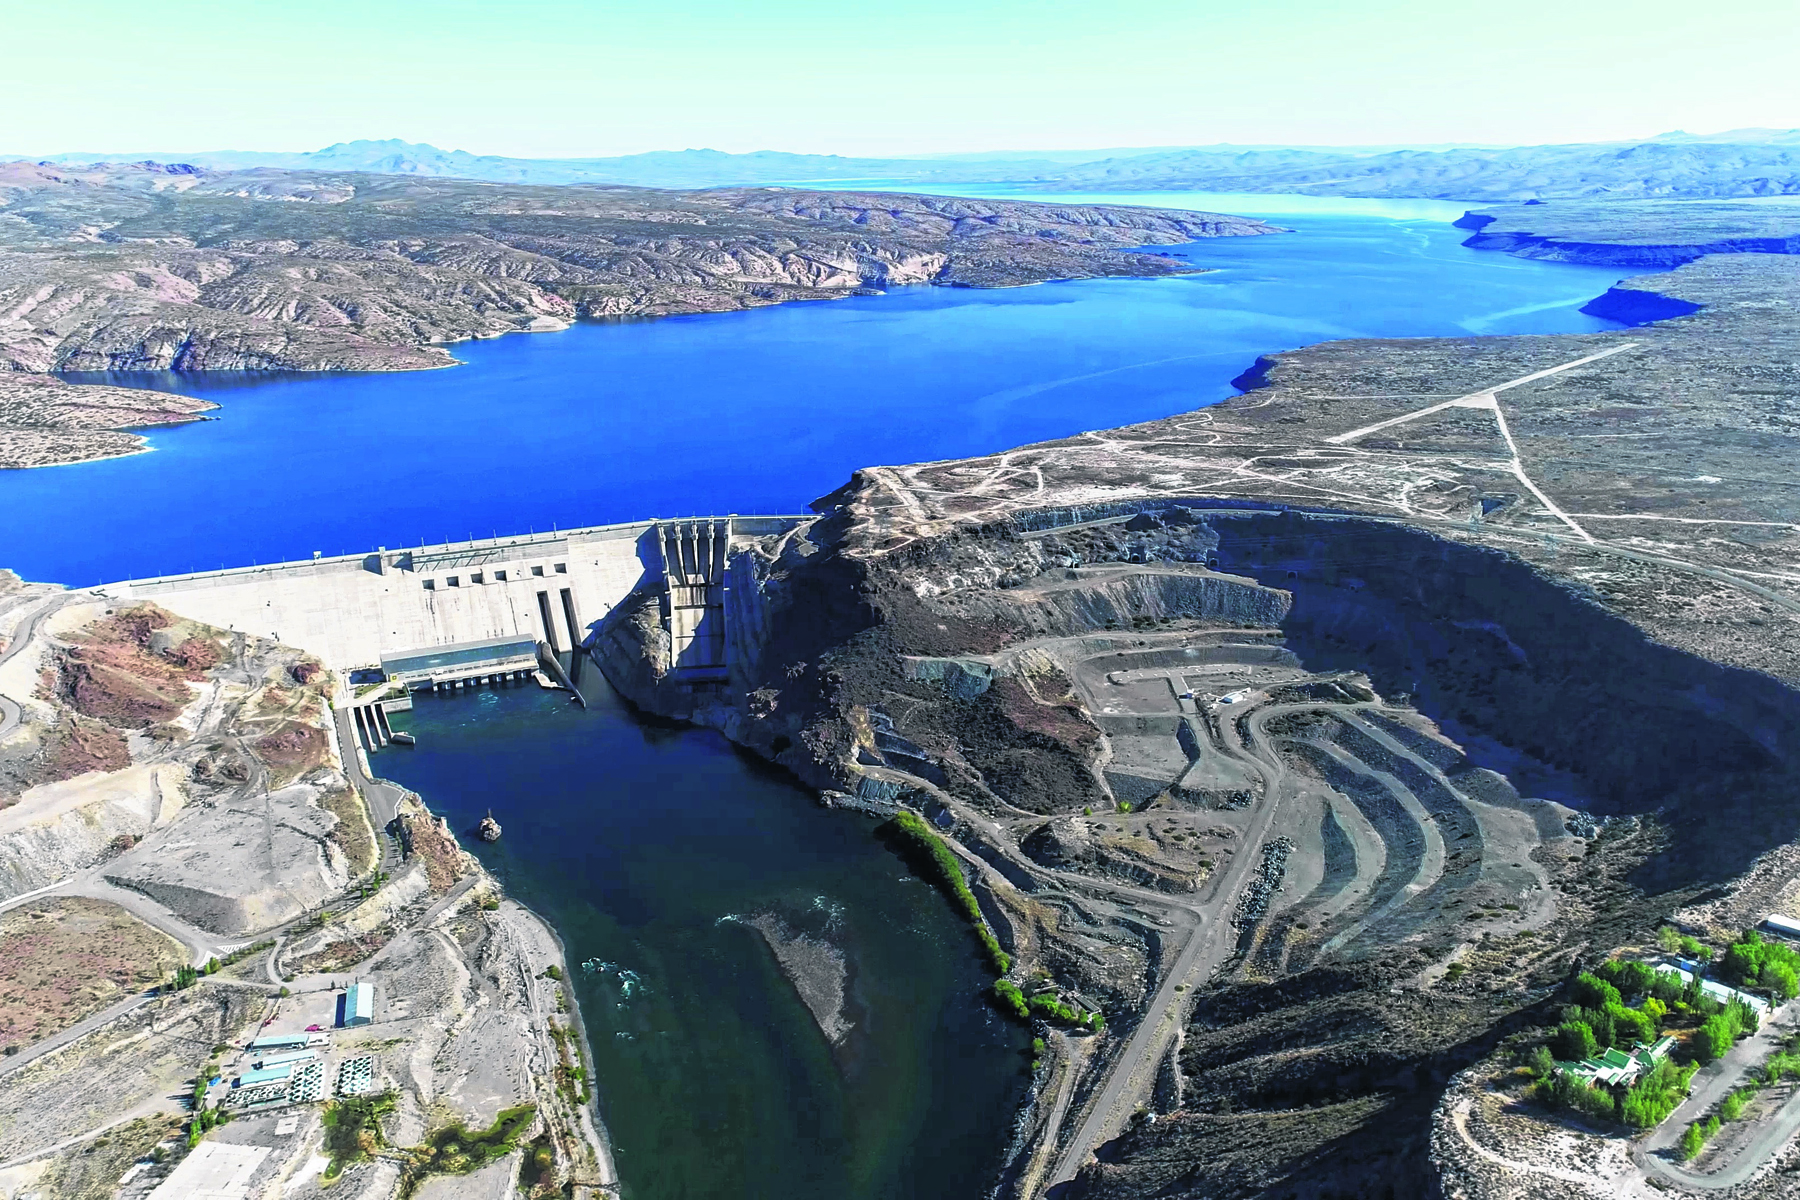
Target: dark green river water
[(641, 843)]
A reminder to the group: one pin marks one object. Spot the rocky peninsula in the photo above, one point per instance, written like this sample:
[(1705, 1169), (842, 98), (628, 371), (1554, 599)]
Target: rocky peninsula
[(46, 421), (150, 267)]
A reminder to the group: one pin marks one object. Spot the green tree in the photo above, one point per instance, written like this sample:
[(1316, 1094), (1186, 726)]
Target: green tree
[(1657, 1094), (1636, 978), (1567, 1092), (1783, 978), (1733, 1106), (911, 831), (1630, 1025), (1692, 1142), (1011, 999), (1668, 940), (1575, 1041), (1601, 1022), (1591, 991), (1715, 1037), (1540, 1062)]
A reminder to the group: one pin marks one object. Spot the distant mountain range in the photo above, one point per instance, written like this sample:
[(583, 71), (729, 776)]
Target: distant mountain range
[(1743, 162)]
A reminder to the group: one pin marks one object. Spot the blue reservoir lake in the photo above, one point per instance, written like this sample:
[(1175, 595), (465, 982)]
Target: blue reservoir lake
[(648, 845), (758, 411)]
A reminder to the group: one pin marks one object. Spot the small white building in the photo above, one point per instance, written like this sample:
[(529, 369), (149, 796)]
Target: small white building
[(1716, 990), (1782, 926)]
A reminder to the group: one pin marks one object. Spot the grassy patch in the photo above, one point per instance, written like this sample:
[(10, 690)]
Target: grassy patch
[(457, 1150), (927, 849), (353, 1130)]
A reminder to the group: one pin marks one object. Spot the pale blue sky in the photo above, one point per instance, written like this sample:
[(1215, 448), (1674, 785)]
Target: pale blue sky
[(593, 77)]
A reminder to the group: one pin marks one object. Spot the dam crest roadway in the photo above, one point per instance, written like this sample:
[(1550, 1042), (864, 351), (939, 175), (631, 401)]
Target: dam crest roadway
[(354, 610)]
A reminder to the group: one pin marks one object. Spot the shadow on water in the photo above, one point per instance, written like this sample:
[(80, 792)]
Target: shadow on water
[(648, 846)]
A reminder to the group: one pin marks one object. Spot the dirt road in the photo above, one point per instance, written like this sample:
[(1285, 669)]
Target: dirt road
[(1211, 943)]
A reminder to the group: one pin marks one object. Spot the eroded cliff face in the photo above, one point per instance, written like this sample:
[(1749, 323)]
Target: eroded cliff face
[(134, 267)]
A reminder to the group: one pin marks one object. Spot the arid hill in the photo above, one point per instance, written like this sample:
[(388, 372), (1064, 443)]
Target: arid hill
[(146, 267), (1318, 735)]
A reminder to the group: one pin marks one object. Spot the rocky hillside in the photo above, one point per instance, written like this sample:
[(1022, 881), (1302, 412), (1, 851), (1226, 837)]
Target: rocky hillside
[(1317, 735), (144, 267)]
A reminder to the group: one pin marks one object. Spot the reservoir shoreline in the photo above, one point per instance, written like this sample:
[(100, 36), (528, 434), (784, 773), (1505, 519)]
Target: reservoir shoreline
[(557, 919), (674, 415)]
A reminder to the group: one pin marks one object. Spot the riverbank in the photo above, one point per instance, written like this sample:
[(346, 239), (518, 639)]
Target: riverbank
[(606, 1172), (651, 849)]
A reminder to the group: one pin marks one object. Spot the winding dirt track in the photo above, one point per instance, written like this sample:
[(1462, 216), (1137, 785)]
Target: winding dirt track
[(1208, 947), (1209, 941)]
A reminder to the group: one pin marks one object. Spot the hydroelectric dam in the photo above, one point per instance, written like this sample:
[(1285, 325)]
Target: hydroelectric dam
[(462, 611)]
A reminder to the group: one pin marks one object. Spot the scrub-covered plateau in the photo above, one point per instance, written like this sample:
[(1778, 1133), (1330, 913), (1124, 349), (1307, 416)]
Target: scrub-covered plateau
[(1317, 737), (149, 267)]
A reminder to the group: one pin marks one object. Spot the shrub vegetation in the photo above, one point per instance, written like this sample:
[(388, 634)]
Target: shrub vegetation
[(915, 836), (353, 1130), (1752, 961)]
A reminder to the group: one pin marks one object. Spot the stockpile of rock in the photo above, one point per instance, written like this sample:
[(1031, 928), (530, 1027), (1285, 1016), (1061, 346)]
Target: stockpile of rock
[(1265, 883)]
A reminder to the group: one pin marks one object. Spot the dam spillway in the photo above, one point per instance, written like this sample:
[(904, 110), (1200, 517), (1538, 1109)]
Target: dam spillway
[(354, 610)]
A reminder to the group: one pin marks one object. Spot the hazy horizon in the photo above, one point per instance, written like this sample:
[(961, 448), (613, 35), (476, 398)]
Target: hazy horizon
[(1024, 153), (581, 79)]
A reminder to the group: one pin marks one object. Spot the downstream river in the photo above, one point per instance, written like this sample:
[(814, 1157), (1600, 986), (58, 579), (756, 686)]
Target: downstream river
[(649, 846)]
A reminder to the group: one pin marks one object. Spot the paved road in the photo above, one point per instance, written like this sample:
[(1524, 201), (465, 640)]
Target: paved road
[(1712, 1086), (330, 980), (80, 1029), (92, 884), (383, 797), (10, 713), (201, 944)]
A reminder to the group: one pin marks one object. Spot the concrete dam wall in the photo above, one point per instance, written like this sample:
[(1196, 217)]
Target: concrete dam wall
[(350, 610)]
